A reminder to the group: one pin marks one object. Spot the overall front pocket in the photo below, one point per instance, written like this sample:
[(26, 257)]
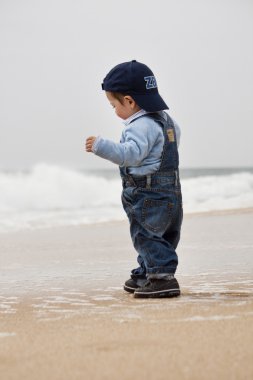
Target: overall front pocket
[(157, 215)]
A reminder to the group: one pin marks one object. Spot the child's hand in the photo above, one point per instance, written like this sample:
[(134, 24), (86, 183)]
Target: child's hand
[(89, 143)]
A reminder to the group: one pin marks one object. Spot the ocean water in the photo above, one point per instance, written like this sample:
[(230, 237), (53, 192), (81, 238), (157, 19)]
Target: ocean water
[(49, 195)]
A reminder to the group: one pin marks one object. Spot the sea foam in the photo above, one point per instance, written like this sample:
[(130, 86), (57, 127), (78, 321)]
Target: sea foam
[(49, 195)]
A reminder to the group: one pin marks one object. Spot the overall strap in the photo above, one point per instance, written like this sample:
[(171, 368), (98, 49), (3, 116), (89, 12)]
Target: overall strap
[(170, 158)]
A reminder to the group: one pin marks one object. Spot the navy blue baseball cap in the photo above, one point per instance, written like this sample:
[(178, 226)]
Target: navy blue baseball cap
[(137, 80)]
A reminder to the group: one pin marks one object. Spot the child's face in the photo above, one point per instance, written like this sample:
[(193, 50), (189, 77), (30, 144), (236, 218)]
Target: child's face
[(124, 109)]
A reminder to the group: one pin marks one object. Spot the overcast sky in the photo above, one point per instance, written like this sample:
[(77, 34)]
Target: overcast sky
[(54, 55)]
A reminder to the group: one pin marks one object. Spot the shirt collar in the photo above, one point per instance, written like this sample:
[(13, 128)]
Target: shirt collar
[(134, 116)]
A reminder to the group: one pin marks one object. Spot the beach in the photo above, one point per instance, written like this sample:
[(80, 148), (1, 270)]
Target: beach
[(64, 313)]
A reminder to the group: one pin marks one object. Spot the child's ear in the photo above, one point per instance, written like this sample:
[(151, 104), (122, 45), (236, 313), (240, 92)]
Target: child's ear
[(130, 101)]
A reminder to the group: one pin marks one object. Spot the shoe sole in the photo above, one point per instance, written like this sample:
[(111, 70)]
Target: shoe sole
[(129, 290), (158, 294)]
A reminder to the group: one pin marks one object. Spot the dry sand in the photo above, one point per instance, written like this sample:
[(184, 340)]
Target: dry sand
[(64, 315)]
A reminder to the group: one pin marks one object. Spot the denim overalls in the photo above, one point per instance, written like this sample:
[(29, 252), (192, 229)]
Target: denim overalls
[(153, 204)]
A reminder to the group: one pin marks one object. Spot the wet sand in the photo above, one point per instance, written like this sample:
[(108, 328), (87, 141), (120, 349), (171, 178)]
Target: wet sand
[(64, 315)]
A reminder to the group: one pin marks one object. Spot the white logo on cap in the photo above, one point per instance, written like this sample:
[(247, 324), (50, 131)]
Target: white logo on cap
[(150, 82)]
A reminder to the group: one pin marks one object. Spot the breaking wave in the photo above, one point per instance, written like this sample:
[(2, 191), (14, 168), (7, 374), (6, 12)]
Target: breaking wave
[(49, 195)]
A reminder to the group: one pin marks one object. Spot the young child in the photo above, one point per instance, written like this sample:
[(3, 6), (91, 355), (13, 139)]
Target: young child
[(148, 159)]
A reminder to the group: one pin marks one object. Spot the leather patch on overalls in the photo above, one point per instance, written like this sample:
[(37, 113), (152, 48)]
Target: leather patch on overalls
[(171, 135)]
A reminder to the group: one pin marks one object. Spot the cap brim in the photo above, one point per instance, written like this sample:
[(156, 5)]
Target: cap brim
[(152, 102)]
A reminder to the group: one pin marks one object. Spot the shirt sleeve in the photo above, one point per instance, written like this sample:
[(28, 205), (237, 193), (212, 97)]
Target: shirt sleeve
[(178, 132), (139, 138)]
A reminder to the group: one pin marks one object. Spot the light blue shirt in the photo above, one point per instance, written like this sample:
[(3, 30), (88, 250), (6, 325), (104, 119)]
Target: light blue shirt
[(140, 147)]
